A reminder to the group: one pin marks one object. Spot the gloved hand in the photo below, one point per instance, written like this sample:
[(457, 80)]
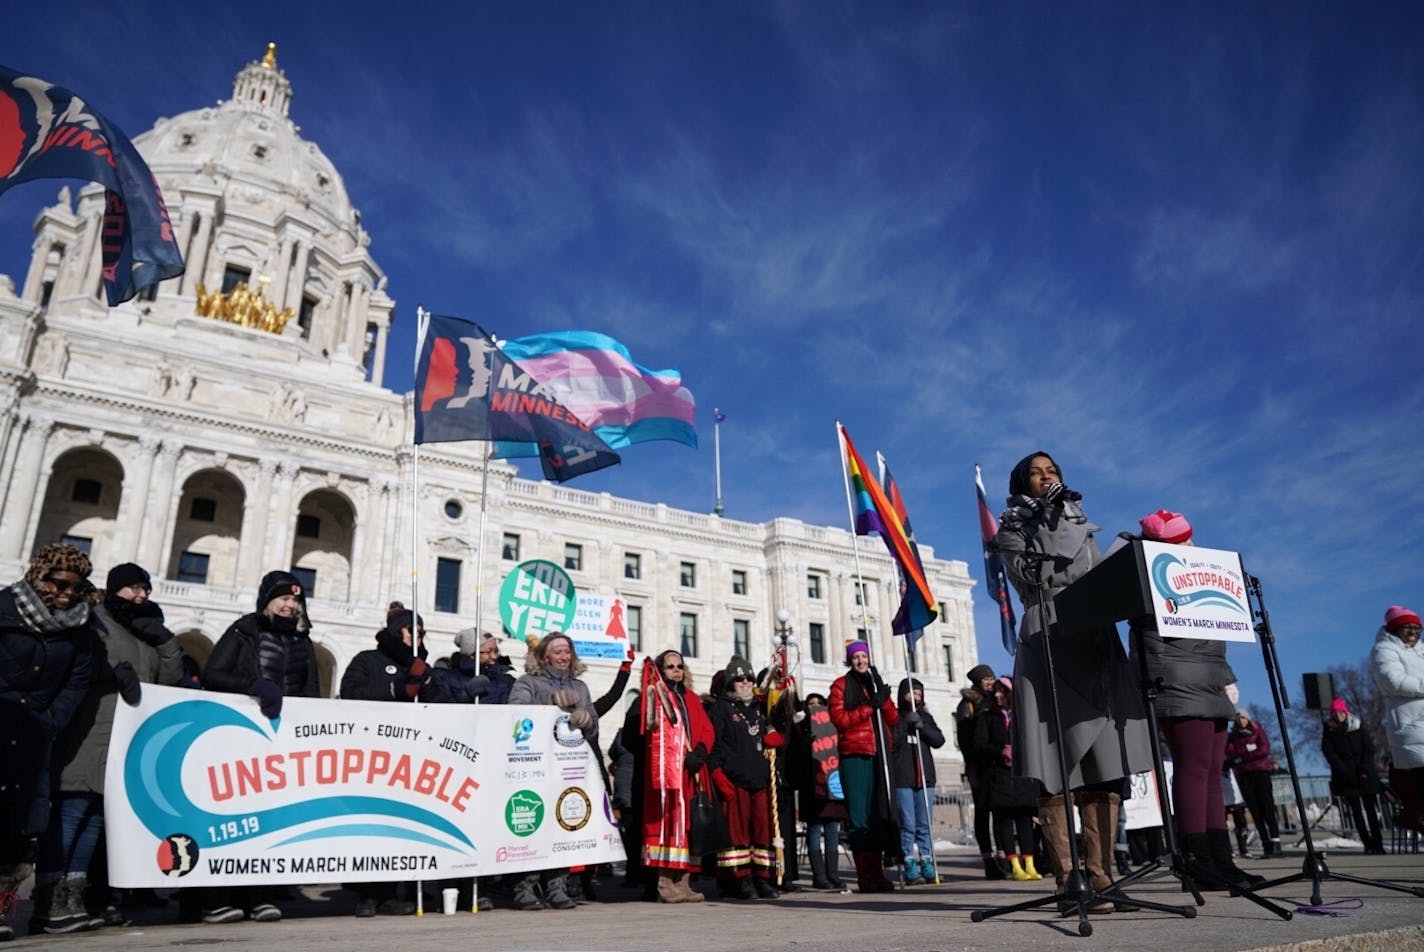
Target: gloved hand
[(130, 688), (694, 760), (911, 720), (881, 695), (151, 631), (724, 786), (1052, 493), (478, 686), (581, 719), (628, 658), (417, 676), (566, 698), (269, 697), (774, 739)]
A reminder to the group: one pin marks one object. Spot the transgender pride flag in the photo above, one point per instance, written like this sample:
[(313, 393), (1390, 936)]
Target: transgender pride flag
[(596, 378)]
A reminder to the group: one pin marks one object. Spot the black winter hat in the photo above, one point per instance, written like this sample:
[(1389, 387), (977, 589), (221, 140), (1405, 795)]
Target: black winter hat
[(399, 617), (278, 583), (979, 672), (739, 667), (125, 574)]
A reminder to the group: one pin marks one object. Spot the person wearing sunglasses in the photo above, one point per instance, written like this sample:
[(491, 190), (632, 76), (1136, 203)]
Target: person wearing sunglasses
[(747, 869), (46, 655)]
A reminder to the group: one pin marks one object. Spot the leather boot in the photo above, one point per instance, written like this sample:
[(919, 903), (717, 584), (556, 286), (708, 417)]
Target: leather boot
[(556, 892), (833, 870), (1219, 846), (683, 881), (526, 893), (667, 889), (1201, 865), (818, 872), (1099, 813), (870, 872), (1055, 838)]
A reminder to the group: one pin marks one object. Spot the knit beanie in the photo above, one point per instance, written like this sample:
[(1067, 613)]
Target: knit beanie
[(1339, 705), (398, 617), (1166, 526), (1397, 617), (278, 583), (855, 646), (467, 640), (738, 667), (125, 574), (979, 672)]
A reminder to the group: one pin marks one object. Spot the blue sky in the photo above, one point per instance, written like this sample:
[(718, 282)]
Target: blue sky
[(1181, 247)]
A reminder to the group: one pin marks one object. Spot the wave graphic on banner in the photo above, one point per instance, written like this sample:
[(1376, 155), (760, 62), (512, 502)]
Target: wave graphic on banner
[(1206, 596), (155, 760)]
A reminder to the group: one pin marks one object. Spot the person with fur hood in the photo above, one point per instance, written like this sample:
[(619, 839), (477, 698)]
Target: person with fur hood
[(1350, 753), (746, 869), (1397, 662), (552, 676), (976, 699), (267, 655)]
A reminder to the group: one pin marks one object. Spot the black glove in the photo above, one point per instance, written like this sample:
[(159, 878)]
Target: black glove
[(130, 688), (881, 695), (269, 698), (694, 760), (151, 631), (478, 686), (911, 720), (1052, 493)]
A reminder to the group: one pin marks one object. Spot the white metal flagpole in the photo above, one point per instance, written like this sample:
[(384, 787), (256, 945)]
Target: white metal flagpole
[(422, 321), (718, 508)]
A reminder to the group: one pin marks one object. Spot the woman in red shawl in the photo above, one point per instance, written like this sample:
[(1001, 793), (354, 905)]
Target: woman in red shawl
[(673, 740)]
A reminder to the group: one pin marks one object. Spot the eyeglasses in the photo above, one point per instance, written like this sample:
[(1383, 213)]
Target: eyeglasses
[(62, 585), (672, 667), (740, 678)]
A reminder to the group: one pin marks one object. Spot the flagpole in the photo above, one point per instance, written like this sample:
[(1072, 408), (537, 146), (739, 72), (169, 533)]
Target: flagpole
[(422, 319), (717, 508)]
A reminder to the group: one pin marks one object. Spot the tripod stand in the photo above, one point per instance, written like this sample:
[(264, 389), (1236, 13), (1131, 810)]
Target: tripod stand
[(1177, 863), (1078, 894), (1313, 869)]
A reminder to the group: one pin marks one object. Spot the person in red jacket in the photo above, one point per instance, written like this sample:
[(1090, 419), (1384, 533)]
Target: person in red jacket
[(865, 714), (1248, 753)]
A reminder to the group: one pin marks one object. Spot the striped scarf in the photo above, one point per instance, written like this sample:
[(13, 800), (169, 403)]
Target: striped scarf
[(37, 616)]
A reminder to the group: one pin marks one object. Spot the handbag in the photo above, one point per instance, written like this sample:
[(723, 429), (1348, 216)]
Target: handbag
[(707, 832)]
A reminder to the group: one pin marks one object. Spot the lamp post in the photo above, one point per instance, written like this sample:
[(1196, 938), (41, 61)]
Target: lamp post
[(782, 642)]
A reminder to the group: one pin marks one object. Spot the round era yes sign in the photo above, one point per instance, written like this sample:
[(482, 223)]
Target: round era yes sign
[(536, 598)]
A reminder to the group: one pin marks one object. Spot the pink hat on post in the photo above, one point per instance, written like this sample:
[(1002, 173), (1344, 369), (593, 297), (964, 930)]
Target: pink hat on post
[(1339, 705), (1398, 616), (1166, 526)]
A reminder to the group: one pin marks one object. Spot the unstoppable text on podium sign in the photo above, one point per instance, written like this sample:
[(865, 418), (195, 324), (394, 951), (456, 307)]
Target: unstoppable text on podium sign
[(1198, 593)]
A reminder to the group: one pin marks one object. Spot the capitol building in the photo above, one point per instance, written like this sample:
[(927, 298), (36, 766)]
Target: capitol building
[(233, 420)]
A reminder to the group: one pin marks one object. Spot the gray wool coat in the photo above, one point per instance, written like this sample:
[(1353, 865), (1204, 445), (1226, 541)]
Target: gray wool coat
[(83, 750), (1104, 726)]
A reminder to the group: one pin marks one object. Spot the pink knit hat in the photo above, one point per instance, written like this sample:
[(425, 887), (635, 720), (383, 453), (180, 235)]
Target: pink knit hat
[(1166, 526), (1339, 705), (1398, 616)]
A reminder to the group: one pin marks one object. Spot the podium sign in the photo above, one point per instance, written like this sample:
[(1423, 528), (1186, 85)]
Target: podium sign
[(1192, 592), (1198, 593)]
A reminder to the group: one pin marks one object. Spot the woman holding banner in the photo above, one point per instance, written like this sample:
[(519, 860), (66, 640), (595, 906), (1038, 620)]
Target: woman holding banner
[(822, 801)]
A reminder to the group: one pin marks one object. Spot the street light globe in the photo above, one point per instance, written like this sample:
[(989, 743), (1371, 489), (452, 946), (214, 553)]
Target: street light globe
[(782, 616)]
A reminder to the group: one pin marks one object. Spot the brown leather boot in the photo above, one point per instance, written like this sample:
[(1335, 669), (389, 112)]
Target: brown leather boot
[(1055, 837), (1099, 813), (668, 890), (683, 881)]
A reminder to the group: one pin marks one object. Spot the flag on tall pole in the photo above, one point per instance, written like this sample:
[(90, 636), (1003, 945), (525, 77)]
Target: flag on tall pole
[(48, 132), (996, 577), (717, 417), (914, 613), (873, 512), (466, 388)]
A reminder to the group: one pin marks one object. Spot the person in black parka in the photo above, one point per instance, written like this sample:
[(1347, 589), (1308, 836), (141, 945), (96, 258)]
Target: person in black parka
[(1354, 777)]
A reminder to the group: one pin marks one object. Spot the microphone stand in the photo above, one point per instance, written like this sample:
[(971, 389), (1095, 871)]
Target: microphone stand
[(1078, 893), (1313, 869), (1177, 863)]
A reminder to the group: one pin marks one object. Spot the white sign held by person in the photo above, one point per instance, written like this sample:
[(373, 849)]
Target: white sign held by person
[(203, 790), (1198, 593), (598, 630)]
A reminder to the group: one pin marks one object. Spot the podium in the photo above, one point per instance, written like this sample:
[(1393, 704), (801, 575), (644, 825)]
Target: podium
[(1114, 590)]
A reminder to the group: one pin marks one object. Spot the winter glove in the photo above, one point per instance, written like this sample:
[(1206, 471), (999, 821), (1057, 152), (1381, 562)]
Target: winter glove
[(478, 686), (581, 719), (269, 697), (774, 739), (724, 786), (130, 688), (566, 698), (628, 659), (151, 631), (881, 695), (911, 720), (417, 676), (1052, 493), (694, 760)]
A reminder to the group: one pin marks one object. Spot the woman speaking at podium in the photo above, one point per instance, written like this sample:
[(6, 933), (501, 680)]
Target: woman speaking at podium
[(1047, 544)]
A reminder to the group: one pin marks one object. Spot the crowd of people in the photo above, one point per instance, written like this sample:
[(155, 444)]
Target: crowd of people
[(709, 789)]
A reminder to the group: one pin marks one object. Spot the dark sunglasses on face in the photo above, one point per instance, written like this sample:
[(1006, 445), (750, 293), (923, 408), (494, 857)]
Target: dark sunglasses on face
[(672, 667), (62, 585), (740, 679)]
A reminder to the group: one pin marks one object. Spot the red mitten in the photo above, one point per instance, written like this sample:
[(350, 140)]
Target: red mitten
[(774, 739), (416, 677)]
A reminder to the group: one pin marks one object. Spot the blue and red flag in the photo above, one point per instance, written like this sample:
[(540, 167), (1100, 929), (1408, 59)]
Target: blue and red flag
[(996, 577), (915, 613), (49, 132), (466, 388), (872, 511)]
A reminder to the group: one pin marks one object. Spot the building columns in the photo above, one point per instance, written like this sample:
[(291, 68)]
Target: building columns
[(25, 486)]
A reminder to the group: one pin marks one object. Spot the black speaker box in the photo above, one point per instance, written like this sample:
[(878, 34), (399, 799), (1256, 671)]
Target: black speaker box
[(1319, 691)]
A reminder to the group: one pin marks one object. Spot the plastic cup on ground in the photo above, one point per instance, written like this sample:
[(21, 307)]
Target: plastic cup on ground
[(450, 897)]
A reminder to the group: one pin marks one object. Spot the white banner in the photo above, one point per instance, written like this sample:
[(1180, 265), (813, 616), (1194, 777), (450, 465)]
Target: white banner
[(203, 790), (1198, 593)]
